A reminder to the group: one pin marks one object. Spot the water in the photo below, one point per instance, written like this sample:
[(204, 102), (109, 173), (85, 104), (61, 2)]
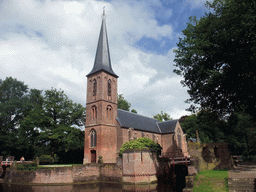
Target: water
[(93, 187)]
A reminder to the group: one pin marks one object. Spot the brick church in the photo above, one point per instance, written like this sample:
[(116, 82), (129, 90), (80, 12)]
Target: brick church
[(108, 127)]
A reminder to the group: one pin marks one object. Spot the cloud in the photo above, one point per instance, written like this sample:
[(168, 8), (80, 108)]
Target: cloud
[(53, 44), (196, 3)]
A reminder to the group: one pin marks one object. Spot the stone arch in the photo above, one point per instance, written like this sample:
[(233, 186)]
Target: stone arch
[(109, 87), (109, 111), (94, 112), (93, 138), (216, 152), (94, 88)]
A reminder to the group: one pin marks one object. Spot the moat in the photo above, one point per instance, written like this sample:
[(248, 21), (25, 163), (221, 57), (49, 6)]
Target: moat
[(93, 187)]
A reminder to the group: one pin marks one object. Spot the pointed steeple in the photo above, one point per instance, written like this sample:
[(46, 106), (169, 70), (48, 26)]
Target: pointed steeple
[(102, 60)]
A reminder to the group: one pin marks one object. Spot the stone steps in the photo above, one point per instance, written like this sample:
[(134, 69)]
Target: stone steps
[(241, 184), (242, 178)]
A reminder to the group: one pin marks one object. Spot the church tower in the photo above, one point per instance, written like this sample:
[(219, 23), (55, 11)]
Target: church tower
[(101, 106)]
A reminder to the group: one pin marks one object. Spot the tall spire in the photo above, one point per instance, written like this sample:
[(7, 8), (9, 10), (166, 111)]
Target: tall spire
[(102, 59)]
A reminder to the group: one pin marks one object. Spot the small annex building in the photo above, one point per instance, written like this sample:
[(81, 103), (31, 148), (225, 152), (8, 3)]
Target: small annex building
[(107, 127)]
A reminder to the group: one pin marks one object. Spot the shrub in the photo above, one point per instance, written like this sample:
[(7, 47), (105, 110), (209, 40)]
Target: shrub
[(141, 143), (46, 159), (27, 167)]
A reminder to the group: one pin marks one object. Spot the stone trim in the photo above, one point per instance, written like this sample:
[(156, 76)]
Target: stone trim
[(94, 125), (101, 100), (138, 175), (139, 150)]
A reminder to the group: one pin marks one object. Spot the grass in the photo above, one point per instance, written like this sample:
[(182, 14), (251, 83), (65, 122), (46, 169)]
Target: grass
[(58, 165), (212, 180)]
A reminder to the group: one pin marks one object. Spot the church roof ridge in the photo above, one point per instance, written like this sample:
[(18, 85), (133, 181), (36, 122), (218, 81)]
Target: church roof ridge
[(168, 121), (140, 115), (167, 126), (128, 119), (102, 59)]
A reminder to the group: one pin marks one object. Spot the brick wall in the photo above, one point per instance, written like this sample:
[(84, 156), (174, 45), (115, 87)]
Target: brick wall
[(101, 116), (124, 136), (139, 166), (75, 174), (171, 146)]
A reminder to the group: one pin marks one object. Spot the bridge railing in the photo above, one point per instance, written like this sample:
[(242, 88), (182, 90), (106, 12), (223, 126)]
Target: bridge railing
[(180, 160), (237, 158), (6, 163)]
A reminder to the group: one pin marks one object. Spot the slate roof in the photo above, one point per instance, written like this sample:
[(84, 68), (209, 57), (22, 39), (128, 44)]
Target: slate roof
[(102, 59), (132, 120), (167, 126)]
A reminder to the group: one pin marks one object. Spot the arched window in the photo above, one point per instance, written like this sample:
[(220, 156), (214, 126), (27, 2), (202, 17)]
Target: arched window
[(179, 138), (94, 88), (93, 138), (109, 111), (109, 87), (135, 136), (157, 139), (94, 112), (142, 134)]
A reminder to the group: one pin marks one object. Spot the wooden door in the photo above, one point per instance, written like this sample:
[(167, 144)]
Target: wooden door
[(93, 156)]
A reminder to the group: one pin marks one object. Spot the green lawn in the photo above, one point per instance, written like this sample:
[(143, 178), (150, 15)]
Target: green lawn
[(59, 165), (212, 180)]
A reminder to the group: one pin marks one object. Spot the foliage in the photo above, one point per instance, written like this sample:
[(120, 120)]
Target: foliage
[(13, 108), (162, 116), (58, 120), (141, 143), (209, 125), (122, 103), (27, 166), (216, 57), (46, 159), (32, 124), (241, 134)]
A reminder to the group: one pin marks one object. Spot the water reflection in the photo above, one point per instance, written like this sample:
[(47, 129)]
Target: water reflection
[(96, 187)]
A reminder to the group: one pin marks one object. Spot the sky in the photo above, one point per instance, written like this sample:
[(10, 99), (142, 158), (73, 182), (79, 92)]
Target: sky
[(51, 43)]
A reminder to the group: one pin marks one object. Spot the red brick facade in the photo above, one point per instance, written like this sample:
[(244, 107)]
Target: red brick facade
[(104, 134), (101, 112), (139, 166)]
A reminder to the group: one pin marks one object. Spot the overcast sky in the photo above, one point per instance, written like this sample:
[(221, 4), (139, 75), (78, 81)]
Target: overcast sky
[(53, 44)]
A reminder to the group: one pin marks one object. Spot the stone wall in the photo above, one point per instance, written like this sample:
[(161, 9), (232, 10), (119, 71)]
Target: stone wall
[(210, 155), (74, 174)]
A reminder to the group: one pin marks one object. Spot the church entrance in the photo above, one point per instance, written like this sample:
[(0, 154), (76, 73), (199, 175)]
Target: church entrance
[(93, 156)]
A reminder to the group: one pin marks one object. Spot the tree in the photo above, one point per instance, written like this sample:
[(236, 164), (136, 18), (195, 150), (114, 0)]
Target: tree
[(217, 55), (60, 118), (28, 133), (13, 108), (241, 134), (122, 103), (162, 116), (209, 125)]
